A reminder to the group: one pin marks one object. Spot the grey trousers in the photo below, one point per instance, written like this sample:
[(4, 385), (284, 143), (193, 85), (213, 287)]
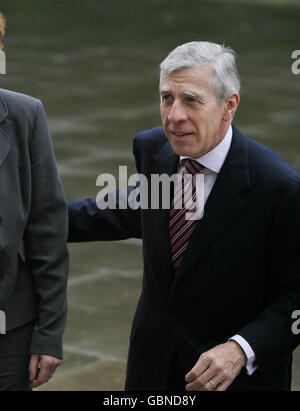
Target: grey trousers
[(14, 358)]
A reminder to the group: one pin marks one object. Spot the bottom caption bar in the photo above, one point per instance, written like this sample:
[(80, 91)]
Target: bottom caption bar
[(145, 399)]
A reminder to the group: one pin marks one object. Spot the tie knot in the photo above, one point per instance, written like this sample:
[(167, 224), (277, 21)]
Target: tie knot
[(192, 166)]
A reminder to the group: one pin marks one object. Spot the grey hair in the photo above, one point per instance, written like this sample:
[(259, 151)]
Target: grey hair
[(226, 79)]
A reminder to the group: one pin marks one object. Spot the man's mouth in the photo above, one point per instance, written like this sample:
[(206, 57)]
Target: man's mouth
[(181, 133)]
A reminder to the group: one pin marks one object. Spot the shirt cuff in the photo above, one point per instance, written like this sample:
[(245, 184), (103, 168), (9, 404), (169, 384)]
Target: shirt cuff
[(250, 366)]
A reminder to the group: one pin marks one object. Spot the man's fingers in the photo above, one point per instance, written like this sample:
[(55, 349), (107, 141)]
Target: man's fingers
[(202, 380), (217, 368), (201, 365)]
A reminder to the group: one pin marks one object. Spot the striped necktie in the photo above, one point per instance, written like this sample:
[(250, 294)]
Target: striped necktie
[(181, 228)]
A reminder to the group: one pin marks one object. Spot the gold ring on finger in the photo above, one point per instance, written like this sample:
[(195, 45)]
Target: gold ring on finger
[(212, 383)]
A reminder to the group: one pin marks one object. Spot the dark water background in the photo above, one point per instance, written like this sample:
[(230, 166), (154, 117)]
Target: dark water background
[(94, 64)]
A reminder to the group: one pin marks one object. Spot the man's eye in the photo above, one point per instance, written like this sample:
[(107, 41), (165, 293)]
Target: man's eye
[(190, 99), (166, 97)]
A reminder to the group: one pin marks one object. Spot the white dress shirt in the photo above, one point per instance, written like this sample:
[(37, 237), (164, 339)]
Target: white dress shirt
[(212, 163)]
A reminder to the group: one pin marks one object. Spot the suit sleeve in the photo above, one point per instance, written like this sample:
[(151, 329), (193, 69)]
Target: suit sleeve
[(87, 222), (270, 335), (45, 241)]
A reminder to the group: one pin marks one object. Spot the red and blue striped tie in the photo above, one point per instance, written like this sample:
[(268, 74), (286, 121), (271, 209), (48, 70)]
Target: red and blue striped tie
[(181, 228)]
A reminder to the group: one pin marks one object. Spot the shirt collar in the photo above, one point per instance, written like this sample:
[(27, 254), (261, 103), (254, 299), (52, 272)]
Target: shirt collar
[(214, 159)]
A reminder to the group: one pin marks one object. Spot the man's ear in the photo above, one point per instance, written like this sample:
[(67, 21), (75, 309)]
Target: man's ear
[(230, 106)]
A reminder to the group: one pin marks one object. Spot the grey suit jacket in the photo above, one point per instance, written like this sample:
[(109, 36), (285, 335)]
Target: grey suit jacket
[(33, 225)]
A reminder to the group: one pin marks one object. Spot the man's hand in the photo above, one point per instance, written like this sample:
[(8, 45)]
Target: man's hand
[(41, 368), (217, 368)]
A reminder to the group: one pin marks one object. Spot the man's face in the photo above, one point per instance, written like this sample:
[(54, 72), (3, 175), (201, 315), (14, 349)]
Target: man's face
[(193, 120)]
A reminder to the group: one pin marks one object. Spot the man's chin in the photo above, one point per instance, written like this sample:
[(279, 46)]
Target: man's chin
[(181, 149)]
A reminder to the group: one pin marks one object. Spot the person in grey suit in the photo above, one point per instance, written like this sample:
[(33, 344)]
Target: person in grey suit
[(33, 252)]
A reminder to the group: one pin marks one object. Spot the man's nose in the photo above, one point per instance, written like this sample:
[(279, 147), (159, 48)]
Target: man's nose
[(177, 113)]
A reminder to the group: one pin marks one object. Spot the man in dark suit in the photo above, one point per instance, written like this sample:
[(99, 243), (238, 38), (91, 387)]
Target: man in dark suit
[(33, 252), (219, 291)]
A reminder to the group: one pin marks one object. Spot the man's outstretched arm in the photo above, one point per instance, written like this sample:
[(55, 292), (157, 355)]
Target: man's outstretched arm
[(87, 222)]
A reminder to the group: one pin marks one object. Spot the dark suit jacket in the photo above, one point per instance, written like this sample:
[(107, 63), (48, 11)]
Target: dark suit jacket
[(240, 273), (33, 225)]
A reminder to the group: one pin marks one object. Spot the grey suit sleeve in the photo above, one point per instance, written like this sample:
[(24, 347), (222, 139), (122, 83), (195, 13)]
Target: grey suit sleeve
[(45, 241)]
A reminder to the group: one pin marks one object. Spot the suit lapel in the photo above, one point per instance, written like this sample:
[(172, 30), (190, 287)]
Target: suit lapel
[(224, 203), (4, 139), (166, 160)]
